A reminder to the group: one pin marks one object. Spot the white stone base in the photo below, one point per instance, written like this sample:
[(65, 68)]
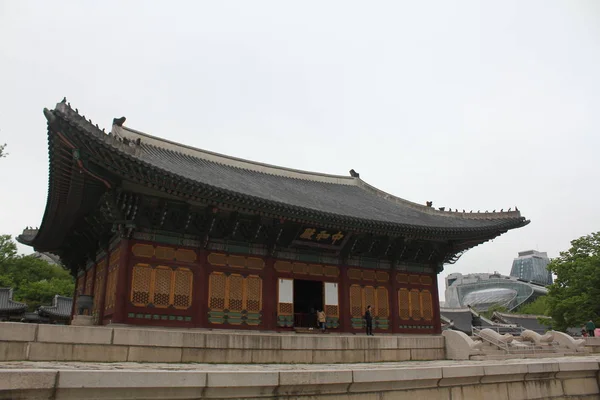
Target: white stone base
[(83, 320)]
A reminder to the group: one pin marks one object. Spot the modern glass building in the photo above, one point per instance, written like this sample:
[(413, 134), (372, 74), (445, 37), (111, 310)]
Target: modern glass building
[(531, 266)]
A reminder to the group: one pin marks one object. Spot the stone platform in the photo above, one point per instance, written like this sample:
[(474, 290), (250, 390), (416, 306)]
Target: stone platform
[(30, 342), (558, 378)]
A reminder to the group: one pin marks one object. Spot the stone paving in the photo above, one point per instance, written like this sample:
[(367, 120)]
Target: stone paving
[(55, 365)]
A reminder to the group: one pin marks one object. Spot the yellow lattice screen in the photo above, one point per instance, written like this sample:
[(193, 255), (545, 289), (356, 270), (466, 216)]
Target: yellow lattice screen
[(216, 291), (286, 309), (141, 278), (383, 310), (254, 293), (332, 311), (356, 306), (369, 299), (235, 292), (162, 287), (403, 304), (414, 304), (182, 293), (426, 305)]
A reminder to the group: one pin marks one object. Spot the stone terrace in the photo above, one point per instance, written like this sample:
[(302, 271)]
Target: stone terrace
[(559, 378)]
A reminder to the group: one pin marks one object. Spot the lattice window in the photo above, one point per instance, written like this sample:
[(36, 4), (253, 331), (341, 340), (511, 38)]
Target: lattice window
[(235, 293), (383, 310), (141, 281), (286, 309), (162, 287), (426, 305), (182, 293), (253, 293), (356, 303), (369, 299), (332, 311), (414, 304), (403, 304), (216, 291)]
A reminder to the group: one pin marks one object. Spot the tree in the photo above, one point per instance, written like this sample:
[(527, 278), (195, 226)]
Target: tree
[(2, 152), (537, 307), (34, 281), (492, 309), (574, 297)]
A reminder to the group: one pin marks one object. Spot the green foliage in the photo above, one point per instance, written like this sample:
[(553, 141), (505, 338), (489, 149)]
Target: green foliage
[(34, 281), (2, 152), (537, 307), (574, 297)]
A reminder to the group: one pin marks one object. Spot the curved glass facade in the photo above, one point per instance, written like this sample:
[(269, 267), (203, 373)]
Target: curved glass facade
[(531, 266)]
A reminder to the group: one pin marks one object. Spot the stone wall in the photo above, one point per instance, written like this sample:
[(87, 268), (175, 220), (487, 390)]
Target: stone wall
[(566, 378), (119, 344)]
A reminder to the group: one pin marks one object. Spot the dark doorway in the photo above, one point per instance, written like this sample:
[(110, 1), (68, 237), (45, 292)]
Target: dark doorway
[(308, 299)]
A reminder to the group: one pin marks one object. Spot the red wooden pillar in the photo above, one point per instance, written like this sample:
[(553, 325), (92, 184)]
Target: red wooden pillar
[(200, 301), (437, 323), (344, 297), (123, 283), (102, 300), (269, 295), (395, 314)]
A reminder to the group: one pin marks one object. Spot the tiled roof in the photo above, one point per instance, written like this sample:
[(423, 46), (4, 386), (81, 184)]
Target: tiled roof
[(61, 308), (7, 305), (305, 192), (526, 321)]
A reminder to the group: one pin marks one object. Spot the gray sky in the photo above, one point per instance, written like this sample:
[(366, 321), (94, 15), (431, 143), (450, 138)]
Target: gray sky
[(470, 105)]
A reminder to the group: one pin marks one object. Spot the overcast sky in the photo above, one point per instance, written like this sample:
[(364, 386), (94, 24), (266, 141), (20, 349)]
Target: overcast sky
[(469, 105)]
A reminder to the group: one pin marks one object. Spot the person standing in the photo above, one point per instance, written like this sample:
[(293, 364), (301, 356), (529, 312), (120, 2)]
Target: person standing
[(322, 319), (369, 320), (590, 327)]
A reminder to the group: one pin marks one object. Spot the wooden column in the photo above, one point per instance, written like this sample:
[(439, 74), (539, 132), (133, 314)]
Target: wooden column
[(269, 295), (437, 322), (395, 315), (344, 293), (102, 300), (200, 296), (123, 284)]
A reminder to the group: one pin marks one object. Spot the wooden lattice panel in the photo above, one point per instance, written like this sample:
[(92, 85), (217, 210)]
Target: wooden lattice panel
[(283, 266), (184, 255), (370, 299), (356, 303), (164, 253), (162, 287), (143, 250), (354, 274), (426, 305), (141, 281), (382, 276), (235, 293), (368, 275), (426, 280), (383, 305), (414, 304), (402, 278), (331, 271), (182, 291), (403, 304), (285, 309), (332, 311), (216, 291), (253, 293)]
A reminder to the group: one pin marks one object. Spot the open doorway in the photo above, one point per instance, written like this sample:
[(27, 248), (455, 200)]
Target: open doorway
[(308, 299)]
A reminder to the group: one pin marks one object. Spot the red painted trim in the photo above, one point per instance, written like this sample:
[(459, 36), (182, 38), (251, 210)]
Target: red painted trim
[(344, 300), (435, 298), (269, 301), (201, 291)]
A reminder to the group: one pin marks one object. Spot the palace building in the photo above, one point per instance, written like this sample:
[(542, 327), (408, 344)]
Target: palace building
[(164, 234)]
